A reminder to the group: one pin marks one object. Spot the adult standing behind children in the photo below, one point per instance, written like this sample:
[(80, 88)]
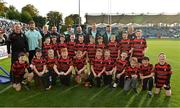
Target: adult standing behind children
[(34, 40)]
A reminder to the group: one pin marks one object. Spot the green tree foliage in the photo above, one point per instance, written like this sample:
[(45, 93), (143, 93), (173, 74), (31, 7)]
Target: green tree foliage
[(39, 20), (25, 17), (31, 9), (69, 21), (13, 13), (54, 18)]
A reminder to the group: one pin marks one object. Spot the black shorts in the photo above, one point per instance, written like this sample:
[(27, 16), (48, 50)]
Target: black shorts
[(168, 87), (18, 78)]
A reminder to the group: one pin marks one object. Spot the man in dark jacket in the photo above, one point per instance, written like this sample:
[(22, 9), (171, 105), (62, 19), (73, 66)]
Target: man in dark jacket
[(16, 43)]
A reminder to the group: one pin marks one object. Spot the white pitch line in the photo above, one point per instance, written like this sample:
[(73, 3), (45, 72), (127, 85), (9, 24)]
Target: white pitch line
[(68, 89), (5, 89), (29, 97), (98, 93)]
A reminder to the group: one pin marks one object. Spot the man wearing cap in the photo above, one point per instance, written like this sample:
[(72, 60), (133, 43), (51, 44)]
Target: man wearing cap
[(34, 40)]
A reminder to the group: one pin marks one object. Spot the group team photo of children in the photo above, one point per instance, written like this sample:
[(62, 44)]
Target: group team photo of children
[(48, 59)]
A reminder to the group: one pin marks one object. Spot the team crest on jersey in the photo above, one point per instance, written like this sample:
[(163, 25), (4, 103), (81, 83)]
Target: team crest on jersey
[(164, 69)]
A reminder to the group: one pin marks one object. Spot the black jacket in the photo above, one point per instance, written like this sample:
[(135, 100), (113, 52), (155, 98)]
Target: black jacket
[(17, 43)]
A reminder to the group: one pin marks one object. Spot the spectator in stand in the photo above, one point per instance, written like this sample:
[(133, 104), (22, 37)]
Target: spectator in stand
[(2, 38)]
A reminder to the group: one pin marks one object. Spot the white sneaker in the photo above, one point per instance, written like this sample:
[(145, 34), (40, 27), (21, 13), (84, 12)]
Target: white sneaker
[(114, 85)]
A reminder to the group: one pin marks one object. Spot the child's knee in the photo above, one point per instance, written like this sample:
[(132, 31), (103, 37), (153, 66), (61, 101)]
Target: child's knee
[(18, 87), (168, 92), (157, 90)]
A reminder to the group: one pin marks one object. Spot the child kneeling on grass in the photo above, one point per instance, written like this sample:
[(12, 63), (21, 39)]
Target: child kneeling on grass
[(162, 72), (20, 74)]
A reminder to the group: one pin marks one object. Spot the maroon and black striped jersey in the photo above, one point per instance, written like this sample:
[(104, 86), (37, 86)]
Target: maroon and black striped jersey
[(91, 49), (61, 45), (146, 70), (81, 47), (139, 46), (129, 71), (63, 65), (109, 64), (46, 47), (79, 63), (55, 48), (125, 45), (100, 46), (121, 65), (39, 63), (50, 63), (19, 68), (71, 49), (162, 73), (113, 47), (98, 65)]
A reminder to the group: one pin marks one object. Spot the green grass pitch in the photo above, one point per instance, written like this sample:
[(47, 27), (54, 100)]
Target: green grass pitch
[(76, 96)]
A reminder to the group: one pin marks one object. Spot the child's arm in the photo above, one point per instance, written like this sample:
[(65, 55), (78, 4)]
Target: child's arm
[(118, 75), (36, 71), (69, 70), (102, 71), (58, 54), (56, 70), (119, 52), (81, 70), (84, 53), (44, 69), (92, 69)]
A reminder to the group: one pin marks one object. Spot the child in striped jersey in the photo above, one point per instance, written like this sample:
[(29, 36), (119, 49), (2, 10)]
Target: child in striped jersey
[(55, 45), (100, 44), (50, 76), (61, 45), (97, 68), (119, 71), (109, 67), (63, 67), (162, 72), (139, 46), (80, 68), (125, 45), (20, 74), (131, 75), (47, 45), (39, 68), (113, 47), (80, 45), (71, 46), (146, 71)]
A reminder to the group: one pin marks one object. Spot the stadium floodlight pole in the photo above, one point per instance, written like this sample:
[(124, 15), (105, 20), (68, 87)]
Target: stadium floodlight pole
[(79, 12)]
